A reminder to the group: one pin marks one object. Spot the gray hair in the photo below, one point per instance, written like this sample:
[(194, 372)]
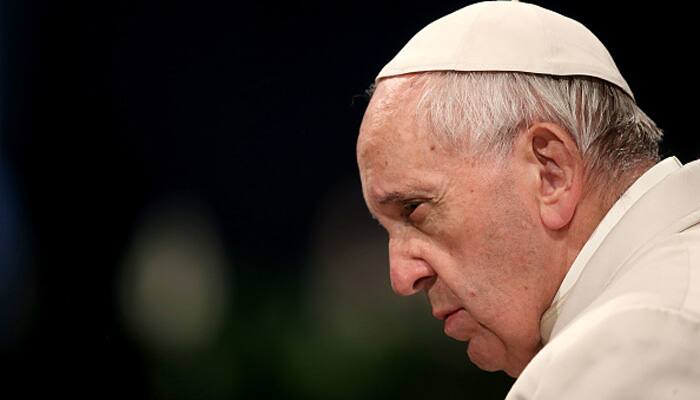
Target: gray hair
[(612, 133)]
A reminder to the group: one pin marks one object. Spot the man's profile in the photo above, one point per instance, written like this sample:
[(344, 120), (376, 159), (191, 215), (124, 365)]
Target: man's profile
[(521, 189)]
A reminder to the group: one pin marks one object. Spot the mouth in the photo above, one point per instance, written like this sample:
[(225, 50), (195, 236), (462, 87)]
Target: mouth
[(444, 314), (457, 324)]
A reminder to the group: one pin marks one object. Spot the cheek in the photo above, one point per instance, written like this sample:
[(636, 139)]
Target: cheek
[(493, 245), (467, 228), (477, 257)]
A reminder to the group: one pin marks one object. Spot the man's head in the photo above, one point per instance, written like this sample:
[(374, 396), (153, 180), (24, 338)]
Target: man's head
[(488, 184)]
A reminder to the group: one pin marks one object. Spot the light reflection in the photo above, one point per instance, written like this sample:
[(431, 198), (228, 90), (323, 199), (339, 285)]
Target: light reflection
[(174, 290)]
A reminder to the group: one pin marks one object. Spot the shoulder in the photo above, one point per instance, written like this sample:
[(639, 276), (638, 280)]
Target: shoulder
[(665, 273), (630, 347)]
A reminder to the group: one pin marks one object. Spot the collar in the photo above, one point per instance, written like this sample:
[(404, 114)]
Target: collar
[(629, 198)]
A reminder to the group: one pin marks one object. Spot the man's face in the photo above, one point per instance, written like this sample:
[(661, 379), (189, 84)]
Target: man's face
[(463, 232)]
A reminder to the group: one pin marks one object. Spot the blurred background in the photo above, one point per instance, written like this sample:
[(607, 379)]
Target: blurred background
[(180, 211)]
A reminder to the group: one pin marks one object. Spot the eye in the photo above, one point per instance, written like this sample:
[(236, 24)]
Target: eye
[(409, 207)]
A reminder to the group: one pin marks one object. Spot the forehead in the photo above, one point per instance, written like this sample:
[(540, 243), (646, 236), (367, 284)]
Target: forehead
[(394, 150), (390, 122), (392, 96)]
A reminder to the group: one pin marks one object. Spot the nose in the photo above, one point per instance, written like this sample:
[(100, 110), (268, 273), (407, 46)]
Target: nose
[(409, 272)]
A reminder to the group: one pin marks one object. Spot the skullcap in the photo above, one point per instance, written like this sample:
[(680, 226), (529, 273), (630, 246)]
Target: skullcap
[(507, 36)]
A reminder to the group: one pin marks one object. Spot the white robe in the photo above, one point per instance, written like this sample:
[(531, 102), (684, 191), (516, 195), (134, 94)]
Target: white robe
[(625, 323)]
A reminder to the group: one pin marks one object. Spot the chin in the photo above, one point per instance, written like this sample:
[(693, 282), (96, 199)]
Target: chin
[(494, 364), (492, 356), (487, 359)]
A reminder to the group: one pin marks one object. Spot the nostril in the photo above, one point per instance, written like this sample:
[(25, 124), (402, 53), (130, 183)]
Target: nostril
[(403, 284), (409, 273), (423, 283)]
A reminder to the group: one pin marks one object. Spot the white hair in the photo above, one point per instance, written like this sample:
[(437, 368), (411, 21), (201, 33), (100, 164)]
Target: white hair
[(485, 111)]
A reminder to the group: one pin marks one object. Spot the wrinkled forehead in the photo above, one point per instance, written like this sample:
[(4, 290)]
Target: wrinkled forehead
[(396, 153), (393, 92), (391, 114)]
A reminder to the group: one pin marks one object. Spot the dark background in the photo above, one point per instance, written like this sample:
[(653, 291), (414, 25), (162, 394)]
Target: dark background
[(233, 125)]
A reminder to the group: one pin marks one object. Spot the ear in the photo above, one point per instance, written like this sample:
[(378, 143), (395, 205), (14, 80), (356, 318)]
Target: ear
[(556, 170)]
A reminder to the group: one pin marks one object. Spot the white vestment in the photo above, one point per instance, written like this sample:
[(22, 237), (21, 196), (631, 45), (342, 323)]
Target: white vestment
[(625, 323)]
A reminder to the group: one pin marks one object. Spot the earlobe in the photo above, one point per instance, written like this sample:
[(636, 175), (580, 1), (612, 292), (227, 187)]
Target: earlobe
[(557, 215), (559, 167)]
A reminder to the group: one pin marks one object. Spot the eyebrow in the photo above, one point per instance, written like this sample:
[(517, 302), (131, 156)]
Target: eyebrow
[(398, 197), (391, 197)]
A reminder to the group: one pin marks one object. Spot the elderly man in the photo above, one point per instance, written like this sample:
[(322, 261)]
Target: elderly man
[(521, 189)]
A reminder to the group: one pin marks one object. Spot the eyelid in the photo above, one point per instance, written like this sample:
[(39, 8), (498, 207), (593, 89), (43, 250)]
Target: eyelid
[(413, 202), (410, 206)]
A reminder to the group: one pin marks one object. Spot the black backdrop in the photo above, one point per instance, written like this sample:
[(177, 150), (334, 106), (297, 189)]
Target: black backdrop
[(251, 108)]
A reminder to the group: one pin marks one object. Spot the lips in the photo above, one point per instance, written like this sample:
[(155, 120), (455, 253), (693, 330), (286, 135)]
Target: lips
[(445, 313), (459, 325)]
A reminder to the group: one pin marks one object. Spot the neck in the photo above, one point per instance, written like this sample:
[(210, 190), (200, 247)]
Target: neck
[(591, 210), (589, 213)]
